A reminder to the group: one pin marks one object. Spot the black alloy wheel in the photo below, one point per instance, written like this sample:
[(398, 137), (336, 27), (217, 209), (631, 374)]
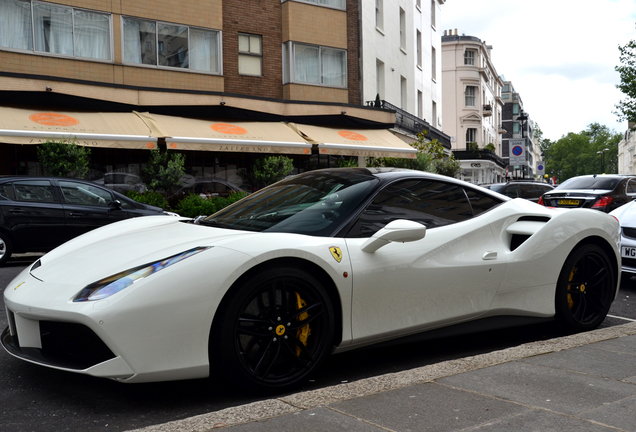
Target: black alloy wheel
[(276, 331), (585, 289)]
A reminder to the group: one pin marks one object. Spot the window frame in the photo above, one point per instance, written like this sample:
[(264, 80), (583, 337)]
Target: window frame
[(219, 46), (250, 53), (379, 15), (32, 49), (473, 96), (469, 60), (289, 72), (317, 3)]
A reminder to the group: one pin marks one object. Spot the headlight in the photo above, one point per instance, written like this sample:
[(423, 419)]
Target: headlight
[(113, 284)]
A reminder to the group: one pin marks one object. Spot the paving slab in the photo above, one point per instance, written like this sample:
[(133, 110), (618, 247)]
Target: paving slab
[(541, 421), (620, 414), (540, 386)]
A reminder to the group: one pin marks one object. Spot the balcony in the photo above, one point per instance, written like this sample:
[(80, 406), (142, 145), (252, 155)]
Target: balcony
[(487, 110), (501, 130), (480, 154), (413, 124)]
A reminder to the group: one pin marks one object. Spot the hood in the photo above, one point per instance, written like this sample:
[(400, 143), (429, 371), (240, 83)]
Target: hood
[(626, 214), (123, 245)]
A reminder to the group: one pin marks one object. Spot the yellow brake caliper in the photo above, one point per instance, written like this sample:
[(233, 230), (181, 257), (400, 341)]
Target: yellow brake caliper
[(570, 301), (302, 333)]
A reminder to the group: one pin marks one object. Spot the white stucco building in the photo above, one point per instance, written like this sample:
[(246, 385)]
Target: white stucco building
[(401, 55), (472, 109), (626, 150)]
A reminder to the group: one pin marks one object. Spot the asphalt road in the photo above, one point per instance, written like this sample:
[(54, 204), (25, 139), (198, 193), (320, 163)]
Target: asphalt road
[(35, 398)]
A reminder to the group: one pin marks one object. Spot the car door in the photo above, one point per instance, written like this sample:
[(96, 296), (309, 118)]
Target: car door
[(33, 214), (87, 207), (450, 275)]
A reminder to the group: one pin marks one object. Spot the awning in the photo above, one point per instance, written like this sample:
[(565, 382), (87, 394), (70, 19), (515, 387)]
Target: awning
[(235, 136), (355, 142), (90, 129)]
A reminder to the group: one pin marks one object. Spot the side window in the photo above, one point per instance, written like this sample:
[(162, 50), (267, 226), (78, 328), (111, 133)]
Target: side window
[(528, 191), (6, 190), (480, 202), (431, 203), (511, 191), (34, 191), (84, 194), (631, 186)]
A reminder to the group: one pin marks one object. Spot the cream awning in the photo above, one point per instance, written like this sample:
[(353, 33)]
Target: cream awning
[(90, 129), (231, 136), (355, 142)]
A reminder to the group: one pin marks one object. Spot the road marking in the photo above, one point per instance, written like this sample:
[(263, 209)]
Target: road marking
[(626, 319)]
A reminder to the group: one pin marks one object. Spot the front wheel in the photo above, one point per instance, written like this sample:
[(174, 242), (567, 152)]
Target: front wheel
[(275, 331), (5, 248), (585, 289)]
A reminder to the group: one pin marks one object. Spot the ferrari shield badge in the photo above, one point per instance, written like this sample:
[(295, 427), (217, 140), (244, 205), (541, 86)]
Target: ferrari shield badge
[(335, 253)]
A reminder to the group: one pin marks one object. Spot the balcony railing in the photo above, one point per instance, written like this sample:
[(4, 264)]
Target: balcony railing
[(480, 154), (413, 124), (487, 111)]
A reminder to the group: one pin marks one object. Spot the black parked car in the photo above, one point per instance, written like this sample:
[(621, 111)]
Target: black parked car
[(521, 189), (604, 192), (38, 214)]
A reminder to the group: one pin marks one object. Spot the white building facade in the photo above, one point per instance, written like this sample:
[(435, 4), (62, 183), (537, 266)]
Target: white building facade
[(626, 150), (472, 110), (401, 55)]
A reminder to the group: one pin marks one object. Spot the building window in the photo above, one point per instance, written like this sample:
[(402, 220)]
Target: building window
[(470, 96), (336, 4), (379, 78), (506, 88), (433, 7), (420, 100), (515, 127), (250, 57), (515, 109), (402, 29), (403, 93), (433, 63), (379, 14), (505, 96), (55, 29), (419, 48), (311, 64), (471, 135), (177, 46), (469, 57), (434, 115)]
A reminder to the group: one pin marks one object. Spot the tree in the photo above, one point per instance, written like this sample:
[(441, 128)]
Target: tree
[(626, 108), (271, 169), (64, 158), (164, 170)]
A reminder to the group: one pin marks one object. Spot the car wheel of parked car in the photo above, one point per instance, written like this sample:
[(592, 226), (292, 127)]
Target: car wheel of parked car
[(276, 330), (585, 289), (5, 248)]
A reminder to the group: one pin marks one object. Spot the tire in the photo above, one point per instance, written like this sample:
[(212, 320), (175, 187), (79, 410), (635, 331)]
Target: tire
[(585, 289), (5, 248), (275, 332)]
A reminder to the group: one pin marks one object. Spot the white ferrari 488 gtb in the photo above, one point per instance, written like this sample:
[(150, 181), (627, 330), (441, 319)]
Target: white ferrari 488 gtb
[(325, 261)]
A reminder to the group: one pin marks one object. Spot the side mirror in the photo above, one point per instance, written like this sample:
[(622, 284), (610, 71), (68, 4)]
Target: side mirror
[(401, 230), (115, 205)]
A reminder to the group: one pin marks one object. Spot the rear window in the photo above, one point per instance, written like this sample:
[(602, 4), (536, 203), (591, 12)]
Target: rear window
[(600, 182)]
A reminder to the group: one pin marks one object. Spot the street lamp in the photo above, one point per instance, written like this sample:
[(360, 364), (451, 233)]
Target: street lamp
[(602, 153), (522, 118)]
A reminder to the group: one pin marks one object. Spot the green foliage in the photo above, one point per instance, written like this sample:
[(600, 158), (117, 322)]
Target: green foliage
[(64, 158), (193, 205), (490, 146), (149, 197), (430, 157), (164, 169), (583, 153), (347, 162), (473, 147), (271, 169), (626, 108)]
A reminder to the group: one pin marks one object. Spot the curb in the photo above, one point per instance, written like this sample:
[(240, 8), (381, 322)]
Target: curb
[(316, 398)]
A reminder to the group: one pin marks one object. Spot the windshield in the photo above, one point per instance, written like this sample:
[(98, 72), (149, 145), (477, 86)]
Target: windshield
[(598, 182), (496, 187), (314, 203)]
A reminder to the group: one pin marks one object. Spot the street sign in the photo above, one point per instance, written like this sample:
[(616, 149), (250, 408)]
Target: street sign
[(517, 151), (541, 168)]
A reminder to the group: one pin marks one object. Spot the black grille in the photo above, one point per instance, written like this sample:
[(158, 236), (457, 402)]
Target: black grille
[(71, 345), (517, 240), (629, 232), (628, 262)]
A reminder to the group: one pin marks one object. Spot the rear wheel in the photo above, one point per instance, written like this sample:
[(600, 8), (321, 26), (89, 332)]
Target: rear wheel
[(276, 330), (5, 248), (585, 289)]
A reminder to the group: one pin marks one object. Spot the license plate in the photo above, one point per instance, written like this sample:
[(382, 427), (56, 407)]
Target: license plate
[(628, 252), (567, 202)]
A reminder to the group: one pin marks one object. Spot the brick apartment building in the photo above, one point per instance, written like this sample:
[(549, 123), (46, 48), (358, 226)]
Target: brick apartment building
[(223, 81)]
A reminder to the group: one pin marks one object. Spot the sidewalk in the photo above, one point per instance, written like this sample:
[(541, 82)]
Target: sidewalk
[(584, 383)]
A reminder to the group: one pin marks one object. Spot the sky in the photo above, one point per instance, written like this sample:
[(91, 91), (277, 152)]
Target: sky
[(559, 55)]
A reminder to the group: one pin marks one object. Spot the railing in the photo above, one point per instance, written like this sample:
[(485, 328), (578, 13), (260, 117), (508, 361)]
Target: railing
[(480, 154), (413, 124)]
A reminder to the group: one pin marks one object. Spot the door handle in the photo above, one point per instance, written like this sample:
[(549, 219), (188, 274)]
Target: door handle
[(489, 256), (74, 214)]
